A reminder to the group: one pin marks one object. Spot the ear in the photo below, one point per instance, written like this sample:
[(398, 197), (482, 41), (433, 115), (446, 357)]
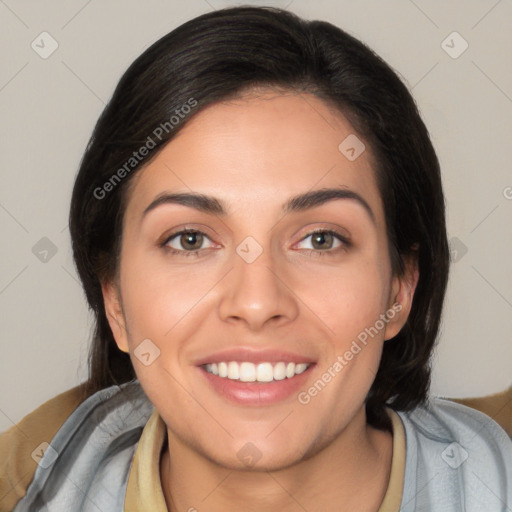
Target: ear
[(115, 314), (401, 296)]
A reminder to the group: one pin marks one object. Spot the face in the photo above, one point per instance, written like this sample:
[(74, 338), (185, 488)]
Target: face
[(298, 295)]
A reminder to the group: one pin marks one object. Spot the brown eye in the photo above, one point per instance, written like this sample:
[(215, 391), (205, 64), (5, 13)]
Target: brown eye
[(192, 240), (325, 240), (186, 241), (322, 240)]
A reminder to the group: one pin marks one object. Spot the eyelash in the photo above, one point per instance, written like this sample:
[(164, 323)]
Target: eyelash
[(329, 252)]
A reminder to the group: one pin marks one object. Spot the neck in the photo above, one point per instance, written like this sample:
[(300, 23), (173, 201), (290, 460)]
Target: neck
[(351, 472)]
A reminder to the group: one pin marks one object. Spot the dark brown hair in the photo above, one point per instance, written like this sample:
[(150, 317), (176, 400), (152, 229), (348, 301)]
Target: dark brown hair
[(218, 56)]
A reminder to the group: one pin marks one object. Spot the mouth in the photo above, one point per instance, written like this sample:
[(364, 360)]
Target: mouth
[(255, 378)]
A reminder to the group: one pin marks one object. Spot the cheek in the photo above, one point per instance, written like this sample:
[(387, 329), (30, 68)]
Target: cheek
[(157, 297), (348, 297), (163, 305)]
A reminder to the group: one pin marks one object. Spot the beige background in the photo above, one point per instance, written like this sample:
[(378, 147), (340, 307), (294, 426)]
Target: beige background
[(49, 107)]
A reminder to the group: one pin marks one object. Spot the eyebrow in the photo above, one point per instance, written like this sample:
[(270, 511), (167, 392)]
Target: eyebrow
[(299, 203)]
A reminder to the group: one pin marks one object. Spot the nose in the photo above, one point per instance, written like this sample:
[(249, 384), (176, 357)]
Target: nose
[(256, 293)]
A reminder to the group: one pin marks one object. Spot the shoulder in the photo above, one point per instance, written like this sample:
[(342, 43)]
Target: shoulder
[(456, 456), (498, 406), (441, 419), (21, 445), (91, 442)]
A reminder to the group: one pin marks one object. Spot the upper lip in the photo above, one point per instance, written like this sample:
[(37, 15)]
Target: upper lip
[(252, 355)]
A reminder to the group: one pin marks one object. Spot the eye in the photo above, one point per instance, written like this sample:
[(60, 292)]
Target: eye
[(186, 242), (189, 242), (325, 240)]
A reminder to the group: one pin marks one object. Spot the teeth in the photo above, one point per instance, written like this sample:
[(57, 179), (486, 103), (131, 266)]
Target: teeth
[(301, 367), (279, 371), (247, 372), (223, 370), (233, 371), (262, 372)]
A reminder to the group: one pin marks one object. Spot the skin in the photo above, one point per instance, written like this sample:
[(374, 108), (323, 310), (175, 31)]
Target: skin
[(254, 153)]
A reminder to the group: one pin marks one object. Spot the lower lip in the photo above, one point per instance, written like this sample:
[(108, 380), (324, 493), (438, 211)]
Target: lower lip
[(257, 393)]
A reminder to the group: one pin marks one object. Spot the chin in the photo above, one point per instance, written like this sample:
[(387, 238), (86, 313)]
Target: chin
[(256, 455)]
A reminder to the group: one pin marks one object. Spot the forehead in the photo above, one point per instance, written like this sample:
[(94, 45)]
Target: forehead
[(257, 150)]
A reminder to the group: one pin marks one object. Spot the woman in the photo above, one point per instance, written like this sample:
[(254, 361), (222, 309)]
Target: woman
[(258, 223)]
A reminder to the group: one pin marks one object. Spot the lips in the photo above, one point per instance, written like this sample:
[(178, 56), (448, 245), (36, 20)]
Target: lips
[(246, 376), (255, 356)]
